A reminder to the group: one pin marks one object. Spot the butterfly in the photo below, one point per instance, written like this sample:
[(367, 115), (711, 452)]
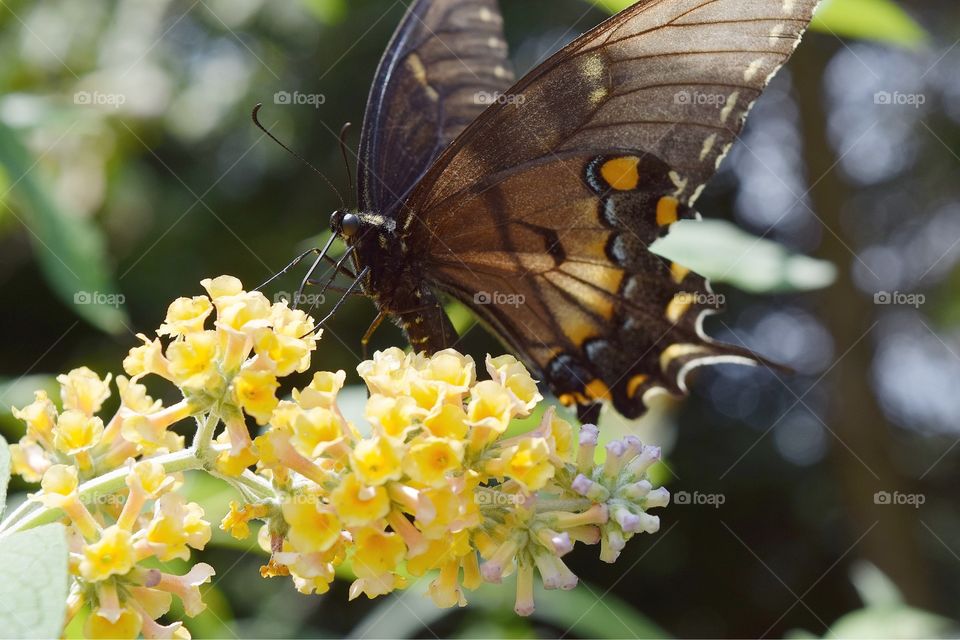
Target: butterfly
[(534, 202)]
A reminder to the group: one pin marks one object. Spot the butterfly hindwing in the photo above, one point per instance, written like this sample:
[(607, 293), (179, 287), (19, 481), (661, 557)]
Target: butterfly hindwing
[(447, 61), (559, 267), (540, 214)]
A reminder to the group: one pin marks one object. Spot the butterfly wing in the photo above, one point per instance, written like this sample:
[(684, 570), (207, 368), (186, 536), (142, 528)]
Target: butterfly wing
[(446, 62), (552, 197)]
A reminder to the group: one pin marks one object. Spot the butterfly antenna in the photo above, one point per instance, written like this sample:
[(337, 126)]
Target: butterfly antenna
[(343, 152), (254, 116)]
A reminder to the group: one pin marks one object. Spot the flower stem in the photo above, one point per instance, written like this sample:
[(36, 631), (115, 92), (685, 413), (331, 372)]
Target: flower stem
[(203, 440), (25, 518)]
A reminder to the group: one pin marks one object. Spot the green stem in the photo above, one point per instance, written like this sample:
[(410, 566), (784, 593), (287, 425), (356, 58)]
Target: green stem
[(203, 440), (25, 518), (249, 484), (574, 505)]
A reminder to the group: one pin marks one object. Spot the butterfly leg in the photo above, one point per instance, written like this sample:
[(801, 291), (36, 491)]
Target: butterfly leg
[(365, 340)]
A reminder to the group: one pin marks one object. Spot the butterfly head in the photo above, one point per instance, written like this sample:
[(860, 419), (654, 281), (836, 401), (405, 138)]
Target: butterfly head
[(345, 223)]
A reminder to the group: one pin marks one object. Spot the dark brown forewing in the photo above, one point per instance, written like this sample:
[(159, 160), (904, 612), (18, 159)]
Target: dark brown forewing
[(674, 78), (447, 61)]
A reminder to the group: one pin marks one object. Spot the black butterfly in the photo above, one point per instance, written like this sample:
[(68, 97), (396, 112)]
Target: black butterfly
[(534, 204)]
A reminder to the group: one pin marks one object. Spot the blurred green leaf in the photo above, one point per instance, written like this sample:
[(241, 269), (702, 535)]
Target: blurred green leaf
[(892, 622), (720, 251), (880, 20), (18, 392), (874, 587), (71, 251), (4, 473), (33, 582), (327, 11), (581, 612)]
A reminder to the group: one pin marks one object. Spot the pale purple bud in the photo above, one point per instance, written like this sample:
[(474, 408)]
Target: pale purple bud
[(628, 521), (639, 465)]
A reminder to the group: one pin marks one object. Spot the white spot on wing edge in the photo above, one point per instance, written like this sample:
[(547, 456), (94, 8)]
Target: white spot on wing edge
[(707, 146), (679, 182), (730, 105), (751, 71)]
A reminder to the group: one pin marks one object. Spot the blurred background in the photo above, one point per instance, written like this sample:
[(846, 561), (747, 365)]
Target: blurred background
[(822, 502)]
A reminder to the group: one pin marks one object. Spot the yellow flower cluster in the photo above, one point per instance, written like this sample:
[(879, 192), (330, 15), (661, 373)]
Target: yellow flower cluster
[(227, 371), (435, 485), (111, 534), (116, 482)]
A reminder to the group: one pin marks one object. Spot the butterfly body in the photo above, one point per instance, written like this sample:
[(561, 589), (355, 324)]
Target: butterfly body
[(394, 278), (535, 203)]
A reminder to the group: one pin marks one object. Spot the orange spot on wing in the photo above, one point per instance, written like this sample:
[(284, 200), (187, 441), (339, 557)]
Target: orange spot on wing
[(678, 306), (667, 210), (622, 174), (598, 390), (635, 383), (678, 271)]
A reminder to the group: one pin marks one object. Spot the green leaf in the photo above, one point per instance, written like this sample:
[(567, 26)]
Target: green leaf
[(327, 11), (71, 250), (18, 392), (722, 252), (874, 587), (892, 622), (4, 472), (879, 20), (583, 612), (33, 583)]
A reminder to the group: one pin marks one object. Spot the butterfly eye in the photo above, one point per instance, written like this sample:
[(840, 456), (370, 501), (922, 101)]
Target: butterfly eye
[(349, 225)]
